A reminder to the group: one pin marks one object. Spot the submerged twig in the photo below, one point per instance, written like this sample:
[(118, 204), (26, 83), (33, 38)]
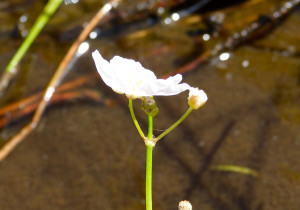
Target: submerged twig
[(12, 68), (259, 27), (57, 98), (29, 105), (7, 148), (37, 97)]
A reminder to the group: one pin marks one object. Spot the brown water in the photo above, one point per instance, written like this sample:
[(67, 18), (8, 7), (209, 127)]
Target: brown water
[(86, 155)]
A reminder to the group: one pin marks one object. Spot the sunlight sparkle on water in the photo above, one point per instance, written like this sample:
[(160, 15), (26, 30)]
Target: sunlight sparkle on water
[(23, 18), (245, 63), (49, 93), (206, 37), (93, 35), (175, 16), (71, 1), (167, 20), (224, 56), (83, 48), (107, 7)]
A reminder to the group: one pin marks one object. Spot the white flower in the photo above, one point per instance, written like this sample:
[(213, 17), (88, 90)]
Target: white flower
[(131, 78), (197, 98)]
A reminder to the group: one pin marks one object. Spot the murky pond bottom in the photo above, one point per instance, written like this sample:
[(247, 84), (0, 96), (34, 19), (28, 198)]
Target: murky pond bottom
[(87, 155)]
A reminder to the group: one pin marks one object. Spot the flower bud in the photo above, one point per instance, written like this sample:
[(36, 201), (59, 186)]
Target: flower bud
[(149, 106), (197, 98), (185, 205)]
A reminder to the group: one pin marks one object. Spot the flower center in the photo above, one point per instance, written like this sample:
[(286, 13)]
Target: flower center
[(135, 83)]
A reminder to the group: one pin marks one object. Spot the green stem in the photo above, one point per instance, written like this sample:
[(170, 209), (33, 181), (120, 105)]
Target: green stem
[(150, 127), (175, 124), (134, 120), (39, 24), (149, 146)]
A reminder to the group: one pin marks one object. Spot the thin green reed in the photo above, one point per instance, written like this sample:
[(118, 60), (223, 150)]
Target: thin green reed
[(41, 21)]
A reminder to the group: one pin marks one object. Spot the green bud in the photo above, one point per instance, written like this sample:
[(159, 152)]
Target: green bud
[(149, 106)]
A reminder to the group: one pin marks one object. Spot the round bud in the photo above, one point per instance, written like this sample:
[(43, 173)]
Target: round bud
[(197, 98), (185, 205)]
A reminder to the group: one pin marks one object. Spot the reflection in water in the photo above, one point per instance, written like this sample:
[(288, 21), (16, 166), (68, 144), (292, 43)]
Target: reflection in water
[(71, 1), (22, 27), (224, 56), (245, 63), (83, 48)]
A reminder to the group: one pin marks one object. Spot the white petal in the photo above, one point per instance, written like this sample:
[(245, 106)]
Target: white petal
[(105, 71), (130, 68), (170, 86), (175, 79), (130, 77)]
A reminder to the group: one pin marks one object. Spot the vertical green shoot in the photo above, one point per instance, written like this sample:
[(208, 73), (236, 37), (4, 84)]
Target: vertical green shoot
[(149, 165), (39, 24), (11, 69)]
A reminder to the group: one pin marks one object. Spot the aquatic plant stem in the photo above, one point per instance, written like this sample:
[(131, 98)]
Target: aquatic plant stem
[(175, 124), (149, 145), (134, 119), (150, 127), (11, 68), (149, 177)]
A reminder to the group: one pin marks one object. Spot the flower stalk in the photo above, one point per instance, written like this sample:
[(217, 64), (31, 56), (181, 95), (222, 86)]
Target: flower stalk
[(134, 119), (149, 147), (175, 124), (149, 177)]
